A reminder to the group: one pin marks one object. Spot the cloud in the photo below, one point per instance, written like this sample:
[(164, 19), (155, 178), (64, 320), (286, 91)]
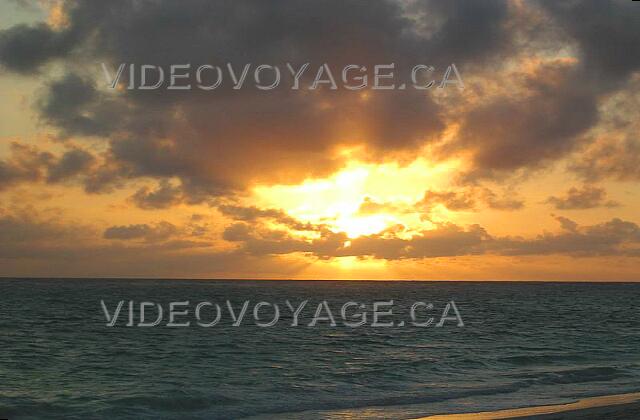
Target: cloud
[(157, 233), (24, 48), (26, 163), (162, 197), (71, 163), (255, 215), (25, 226), (73, 104), (29, 234), (33, 164), (370, 206), (36, 244), (237, 232), (614, 157), (452, 200), (612, 52), (543, 122), (218, 143), (613, 238), (32, 242), (506, 202), (533, 98), (105, 177), (485, 28), (587, 197), (445, 240), (468, 199), (613, 151)]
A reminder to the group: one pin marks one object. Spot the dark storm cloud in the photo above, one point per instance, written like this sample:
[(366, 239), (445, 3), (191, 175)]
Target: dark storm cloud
[(24, 48), (541, 125), (165, 32), (73, 104), (558, 104), (587, 197), (401, 120), (216, 143), (607, 33), (466, 30)]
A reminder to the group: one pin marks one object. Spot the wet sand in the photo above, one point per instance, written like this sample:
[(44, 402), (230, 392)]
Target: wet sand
[(616, 407)]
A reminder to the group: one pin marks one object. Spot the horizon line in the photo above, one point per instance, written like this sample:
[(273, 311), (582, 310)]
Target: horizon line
[(229, 279)]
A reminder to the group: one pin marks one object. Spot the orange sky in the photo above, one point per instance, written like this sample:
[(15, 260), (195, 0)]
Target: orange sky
[(528, 173)]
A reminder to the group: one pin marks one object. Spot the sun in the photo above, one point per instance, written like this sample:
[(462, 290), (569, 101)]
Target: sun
[(337, 201), (355, 226)]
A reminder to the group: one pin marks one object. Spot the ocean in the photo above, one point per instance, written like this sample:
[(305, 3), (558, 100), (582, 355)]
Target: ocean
[(520, 344)]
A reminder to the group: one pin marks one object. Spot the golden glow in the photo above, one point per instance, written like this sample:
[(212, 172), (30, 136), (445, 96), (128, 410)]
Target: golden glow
[(355, 226), (337, 200)]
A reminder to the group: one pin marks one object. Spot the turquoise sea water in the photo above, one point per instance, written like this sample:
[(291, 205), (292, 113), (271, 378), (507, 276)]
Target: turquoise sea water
[(521, 344)]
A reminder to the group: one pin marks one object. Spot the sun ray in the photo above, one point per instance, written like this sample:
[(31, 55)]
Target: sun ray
[(337, 200)]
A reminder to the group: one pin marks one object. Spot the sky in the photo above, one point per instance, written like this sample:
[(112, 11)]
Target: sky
[(526, 166)]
